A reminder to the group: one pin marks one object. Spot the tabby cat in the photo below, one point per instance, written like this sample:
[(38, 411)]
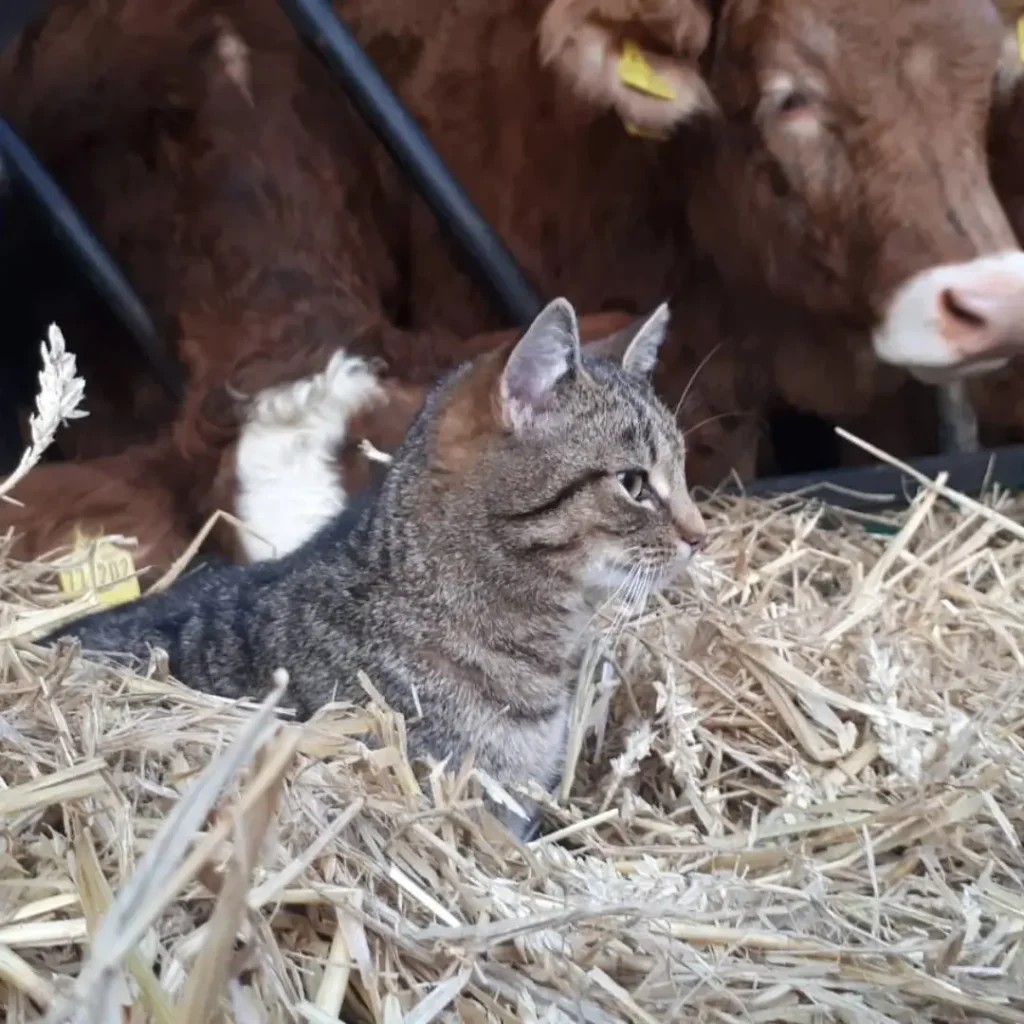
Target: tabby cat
[(537, 480)]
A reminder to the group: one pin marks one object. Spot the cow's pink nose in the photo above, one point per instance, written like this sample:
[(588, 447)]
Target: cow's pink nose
[(981, 316), (956, 318)]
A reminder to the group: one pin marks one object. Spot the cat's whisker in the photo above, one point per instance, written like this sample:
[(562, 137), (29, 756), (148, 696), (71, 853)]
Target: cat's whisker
[(640, 579), (611, 598), (620, 598), (611, 634), (617, 599), (634, 591), (635, 600), (643, 590), (737, 413), (693, 378)]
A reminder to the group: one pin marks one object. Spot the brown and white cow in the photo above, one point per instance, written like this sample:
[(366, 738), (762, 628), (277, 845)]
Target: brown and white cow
[(818, 204)]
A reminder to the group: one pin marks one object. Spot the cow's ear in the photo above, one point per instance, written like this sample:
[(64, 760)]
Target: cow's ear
[(598, 48), (1011, 10), (1011, 60)]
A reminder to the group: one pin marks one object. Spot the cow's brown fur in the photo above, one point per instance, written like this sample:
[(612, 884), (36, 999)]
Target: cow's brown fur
[(124, 494), (999, 397), (260, 220)]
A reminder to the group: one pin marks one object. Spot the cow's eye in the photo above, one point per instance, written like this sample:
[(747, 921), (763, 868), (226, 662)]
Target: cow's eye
[(794, 102)]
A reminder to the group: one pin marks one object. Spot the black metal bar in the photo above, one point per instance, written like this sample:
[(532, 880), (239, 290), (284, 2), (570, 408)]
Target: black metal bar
[(495, 266), (18, 161), (11, 444), (16, 14), (876, 488)]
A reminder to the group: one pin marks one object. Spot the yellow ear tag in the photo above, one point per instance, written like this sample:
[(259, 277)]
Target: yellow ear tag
[(106, 569), (644, 133), (637, 73), (1020, 36)]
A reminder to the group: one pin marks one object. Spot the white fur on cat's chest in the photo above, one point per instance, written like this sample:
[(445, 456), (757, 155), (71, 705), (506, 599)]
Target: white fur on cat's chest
[(537, 747)]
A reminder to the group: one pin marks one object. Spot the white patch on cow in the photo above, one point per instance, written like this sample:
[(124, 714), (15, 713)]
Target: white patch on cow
[(234, 55), (778, 85), (922, 334), (802, 122), (289, 484)]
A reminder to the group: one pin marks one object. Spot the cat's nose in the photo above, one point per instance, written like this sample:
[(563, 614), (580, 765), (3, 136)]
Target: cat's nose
[(690, 527)]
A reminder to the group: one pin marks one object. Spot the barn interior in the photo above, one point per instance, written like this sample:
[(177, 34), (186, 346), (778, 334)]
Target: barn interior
[(52, 276), (792, 793)]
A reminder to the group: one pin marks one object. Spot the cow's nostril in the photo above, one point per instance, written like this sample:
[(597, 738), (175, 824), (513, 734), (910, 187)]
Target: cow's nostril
[(957, 308)]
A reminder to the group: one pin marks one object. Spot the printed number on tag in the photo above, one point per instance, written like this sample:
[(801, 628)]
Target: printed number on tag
[(110, 571)]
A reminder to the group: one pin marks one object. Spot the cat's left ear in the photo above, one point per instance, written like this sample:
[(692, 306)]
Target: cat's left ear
[(546, 353), (637, 345)]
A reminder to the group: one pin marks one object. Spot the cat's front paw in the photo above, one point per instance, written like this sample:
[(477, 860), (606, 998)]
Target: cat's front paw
[(530, 828), (524, 829)]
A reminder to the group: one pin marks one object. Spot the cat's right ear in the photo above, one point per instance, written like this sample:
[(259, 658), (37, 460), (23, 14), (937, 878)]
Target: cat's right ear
[(546, 353), (636, 346)]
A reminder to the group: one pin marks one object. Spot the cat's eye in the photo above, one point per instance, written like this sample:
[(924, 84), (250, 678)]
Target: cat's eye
[(634, 483)]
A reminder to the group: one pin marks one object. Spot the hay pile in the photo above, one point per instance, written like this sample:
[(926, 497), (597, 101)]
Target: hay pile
[(795, 796)]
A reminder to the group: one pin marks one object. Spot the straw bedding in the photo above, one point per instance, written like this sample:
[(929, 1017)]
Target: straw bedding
[(794, 795)]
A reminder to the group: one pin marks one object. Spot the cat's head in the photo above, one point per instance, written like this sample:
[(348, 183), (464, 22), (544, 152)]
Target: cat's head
[(562, 454)]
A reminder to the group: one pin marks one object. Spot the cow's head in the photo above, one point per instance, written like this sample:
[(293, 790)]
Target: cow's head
[(831, 153)]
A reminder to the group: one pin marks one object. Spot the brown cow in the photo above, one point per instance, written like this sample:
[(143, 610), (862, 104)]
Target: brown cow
[(821, 211)]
